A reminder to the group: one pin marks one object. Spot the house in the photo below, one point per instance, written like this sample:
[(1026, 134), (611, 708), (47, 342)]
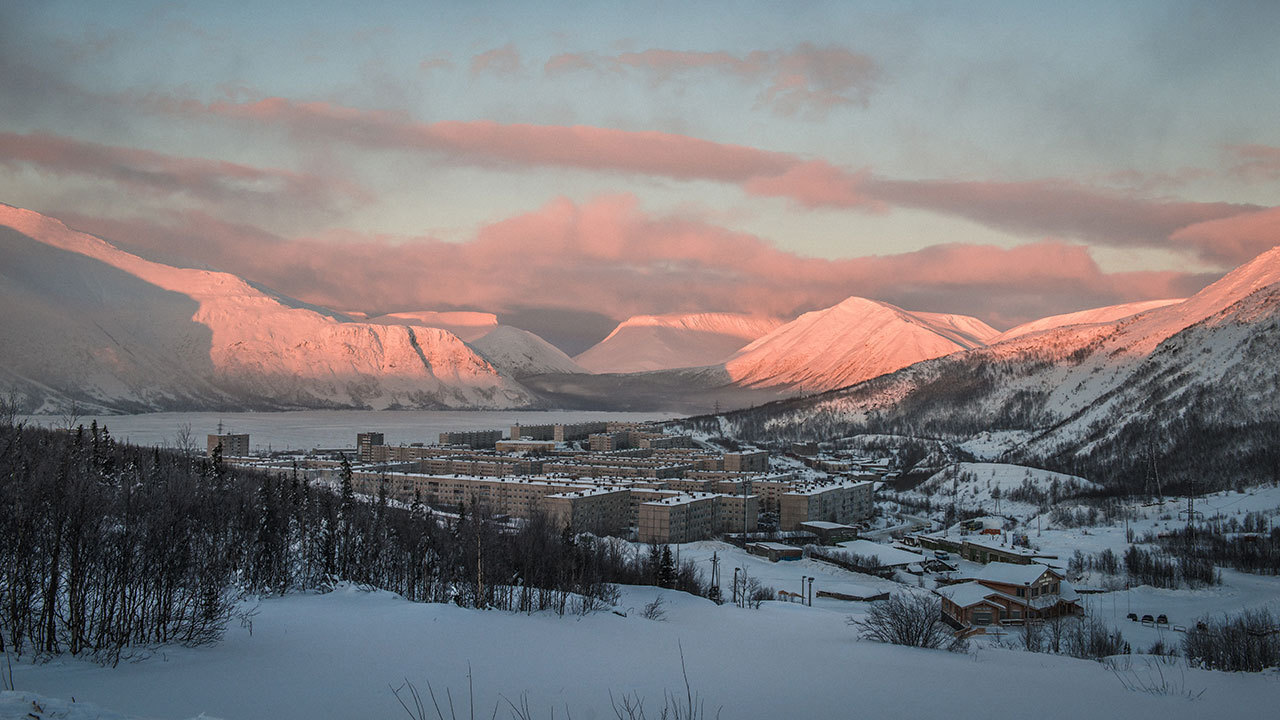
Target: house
[(1001, 593)]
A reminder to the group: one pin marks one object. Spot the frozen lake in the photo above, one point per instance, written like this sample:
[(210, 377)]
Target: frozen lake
[(307, 429)]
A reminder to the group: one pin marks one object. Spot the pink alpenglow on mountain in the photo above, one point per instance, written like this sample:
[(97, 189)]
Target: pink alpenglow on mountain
[(170, 337), (1109, 313), (663, 342), (854, 341)]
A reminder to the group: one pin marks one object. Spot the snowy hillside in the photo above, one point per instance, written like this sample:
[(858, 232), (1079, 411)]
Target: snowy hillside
[(521, 353), (851, 342), (664, 342), (1106, 314), (90, 322), (1196, 380), (466, 325), (999, 488), (339, 655)]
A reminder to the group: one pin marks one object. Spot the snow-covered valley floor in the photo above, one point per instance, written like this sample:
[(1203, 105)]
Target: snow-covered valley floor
[(337, 655)]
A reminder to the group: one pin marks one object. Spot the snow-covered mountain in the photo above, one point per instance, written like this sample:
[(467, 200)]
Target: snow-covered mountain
[(521, 353), (1106, 314), (854, 341), (465, 324), (86, 321), (662, 342), (1194, 383)]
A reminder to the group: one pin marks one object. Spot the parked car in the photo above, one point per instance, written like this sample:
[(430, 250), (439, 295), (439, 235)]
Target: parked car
[(942, 555), (1162, 620), (1148, 620), (1133, 617)]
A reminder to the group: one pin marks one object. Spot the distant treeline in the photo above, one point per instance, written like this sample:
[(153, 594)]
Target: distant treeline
[(106, 546)]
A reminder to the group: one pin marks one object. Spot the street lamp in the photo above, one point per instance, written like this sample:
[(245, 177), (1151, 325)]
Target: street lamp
[(735, 584)]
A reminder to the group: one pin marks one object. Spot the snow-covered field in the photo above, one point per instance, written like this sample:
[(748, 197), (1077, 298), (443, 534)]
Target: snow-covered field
[(337, 655), (306, 429)]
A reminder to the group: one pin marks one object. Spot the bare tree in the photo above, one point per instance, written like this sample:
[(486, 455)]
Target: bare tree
[(908, 619), (184, 441)]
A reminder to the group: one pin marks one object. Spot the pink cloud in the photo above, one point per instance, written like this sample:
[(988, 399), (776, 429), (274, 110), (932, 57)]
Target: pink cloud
[(817, 184), (1231, 240), (585, 147), (1039, 208), (504, 60), (609, 256), (157, 173), (1054, 207), (1255, 162)]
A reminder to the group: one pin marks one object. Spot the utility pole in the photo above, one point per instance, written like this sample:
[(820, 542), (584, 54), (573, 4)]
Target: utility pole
[(715, 577)]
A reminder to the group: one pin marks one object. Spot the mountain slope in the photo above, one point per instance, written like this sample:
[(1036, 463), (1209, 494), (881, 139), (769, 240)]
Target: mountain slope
[(156, 336), (521, 353), (663, 342), (850, 342), (465, 324), (1190, 388), (1109, 313)]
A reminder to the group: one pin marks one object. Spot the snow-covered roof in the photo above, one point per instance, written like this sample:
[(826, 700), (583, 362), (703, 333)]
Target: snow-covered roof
[(765, 545), (967, 594), (889, 556), (825, 525), (1012, 573)]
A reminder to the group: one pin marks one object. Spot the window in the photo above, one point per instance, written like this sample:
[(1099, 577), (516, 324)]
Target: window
[(982, 617)]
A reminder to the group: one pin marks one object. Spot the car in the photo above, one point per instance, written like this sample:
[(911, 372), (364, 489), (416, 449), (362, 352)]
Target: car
[(942, 554), (1148, 620), (1133, 617), (1162, 620)]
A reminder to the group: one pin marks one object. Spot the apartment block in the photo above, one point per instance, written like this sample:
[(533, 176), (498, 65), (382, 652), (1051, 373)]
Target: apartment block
[(233, 444), (599, 510), (840, 501), (679, 519), (477, 439)]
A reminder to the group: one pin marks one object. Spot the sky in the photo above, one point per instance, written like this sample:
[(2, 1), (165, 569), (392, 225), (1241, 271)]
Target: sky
[(567, 165)]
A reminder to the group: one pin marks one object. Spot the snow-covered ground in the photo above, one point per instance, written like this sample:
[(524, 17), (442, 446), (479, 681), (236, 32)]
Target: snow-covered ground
[(339, 654), (976, 486)]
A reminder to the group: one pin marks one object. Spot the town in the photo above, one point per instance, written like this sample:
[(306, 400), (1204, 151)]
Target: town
[(638, 481)]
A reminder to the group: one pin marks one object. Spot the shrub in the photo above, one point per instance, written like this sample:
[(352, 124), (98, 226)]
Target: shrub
[(908, 619)]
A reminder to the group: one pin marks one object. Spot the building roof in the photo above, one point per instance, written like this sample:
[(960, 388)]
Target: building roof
[(994, 545), (826, 525), (967, 594), (889, 556), (765, 545), (1013, 573)]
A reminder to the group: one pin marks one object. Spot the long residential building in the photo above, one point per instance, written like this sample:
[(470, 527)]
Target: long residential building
[(840, 501)]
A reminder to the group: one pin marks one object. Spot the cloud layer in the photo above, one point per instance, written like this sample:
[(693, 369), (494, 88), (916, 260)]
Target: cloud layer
[(160, 174), (1037, 208), (610, 257), (806, 80)]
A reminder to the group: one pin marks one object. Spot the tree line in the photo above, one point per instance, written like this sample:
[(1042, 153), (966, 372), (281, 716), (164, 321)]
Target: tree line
[(106, 546)]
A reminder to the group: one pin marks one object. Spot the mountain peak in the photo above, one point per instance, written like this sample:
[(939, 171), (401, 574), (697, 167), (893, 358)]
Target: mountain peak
[(661, 342)]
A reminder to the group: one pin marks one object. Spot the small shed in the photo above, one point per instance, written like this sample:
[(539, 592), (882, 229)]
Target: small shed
[(775, 551), (830, 532)]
